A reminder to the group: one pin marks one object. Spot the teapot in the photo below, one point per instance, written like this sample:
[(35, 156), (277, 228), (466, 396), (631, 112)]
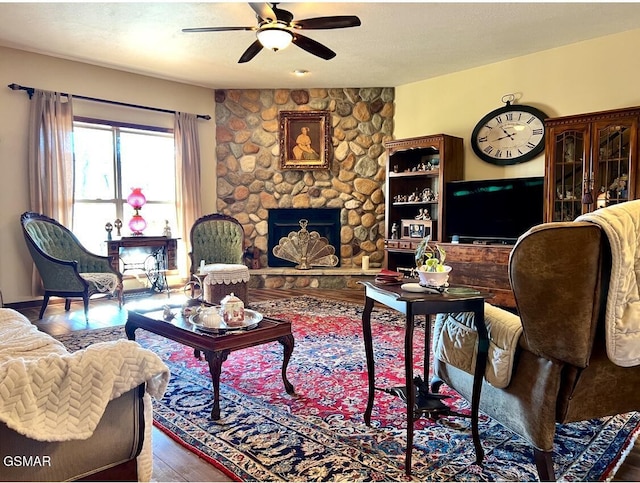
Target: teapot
[(232, 310)]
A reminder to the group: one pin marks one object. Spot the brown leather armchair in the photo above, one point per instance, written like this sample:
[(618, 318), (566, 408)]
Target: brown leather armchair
[(559, 273)]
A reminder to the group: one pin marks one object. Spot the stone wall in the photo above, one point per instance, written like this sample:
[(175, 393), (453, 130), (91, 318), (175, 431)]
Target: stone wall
[(250, 181)]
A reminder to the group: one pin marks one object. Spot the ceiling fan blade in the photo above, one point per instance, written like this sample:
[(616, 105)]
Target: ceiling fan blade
[(253, 50), (217, 29), (264, 11), (313, 47), (335, 22)]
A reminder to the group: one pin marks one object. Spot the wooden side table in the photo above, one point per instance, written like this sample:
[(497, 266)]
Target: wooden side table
[(162, 254), (459, 299)]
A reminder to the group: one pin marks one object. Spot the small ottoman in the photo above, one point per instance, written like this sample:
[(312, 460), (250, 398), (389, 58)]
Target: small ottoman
[(222, 279)]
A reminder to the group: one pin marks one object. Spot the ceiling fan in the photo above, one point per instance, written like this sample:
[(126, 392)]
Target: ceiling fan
[(276, 29)]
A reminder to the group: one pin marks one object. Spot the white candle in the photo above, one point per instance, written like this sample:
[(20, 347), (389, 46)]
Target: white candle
[(201, 265), (365, 262)]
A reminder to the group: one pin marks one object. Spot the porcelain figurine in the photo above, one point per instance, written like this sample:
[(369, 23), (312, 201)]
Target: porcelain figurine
[(166, 232)]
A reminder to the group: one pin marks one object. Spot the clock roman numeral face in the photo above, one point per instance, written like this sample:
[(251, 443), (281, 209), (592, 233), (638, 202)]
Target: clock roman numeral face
[(509, 135)]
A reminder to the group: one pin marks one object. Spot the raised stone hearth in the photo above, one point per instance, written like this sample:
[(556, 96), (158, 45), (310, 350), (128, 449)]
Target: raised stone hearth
[(328, 278)]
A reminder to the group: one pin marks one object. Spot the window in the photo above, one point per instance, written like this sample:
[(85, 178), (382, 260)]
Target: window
[(110, 159)]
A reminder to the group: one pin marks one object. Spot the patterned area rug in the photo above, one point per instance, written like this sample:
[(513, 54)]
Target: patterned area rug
[(319, 434)]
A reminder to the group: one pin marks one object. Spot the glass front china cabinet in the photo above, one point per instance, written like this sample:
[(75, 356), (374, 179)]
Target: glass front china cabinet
[(590, 162)]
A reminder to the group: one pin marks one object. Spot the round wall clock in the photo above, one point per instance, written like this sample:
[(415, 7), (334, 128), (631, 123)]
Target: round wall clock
[(509, 135)]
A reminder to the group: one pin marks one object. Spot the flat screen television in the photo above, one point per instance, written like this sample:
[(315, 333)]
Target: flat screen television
[(493, 210)]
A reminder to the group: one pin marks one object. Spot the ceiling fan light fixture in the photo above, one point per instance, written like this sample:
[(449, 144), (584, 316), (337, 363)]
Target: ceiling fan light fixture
[(274, 38)]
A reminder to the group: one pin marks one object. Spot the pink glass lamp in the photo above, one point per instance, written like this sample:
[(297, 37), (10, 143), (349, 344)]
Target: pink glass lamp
[(136, 199)]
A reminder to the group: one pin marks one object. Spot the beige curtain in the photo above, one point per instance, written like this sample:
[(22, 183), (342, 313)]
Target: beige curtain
[(188, 197), (50, 159), (50, 155)]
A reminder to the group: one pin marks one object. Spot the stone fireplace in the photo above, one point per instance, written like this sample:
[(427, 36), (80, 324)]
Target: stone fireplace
[(282, 221), (251, 182)]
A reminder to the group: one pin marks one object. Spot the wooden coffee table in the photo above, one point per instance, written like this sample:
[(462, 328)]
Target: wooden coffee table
[(216, 348)]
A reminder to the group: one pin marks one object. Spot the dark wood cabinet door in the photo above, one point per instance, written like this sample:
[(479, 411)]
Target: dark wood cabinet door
[(590, 162)]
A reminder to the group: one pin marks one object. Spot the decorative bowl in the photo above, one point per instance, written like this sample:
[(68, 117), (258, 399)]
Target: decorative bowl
[(434, 279)]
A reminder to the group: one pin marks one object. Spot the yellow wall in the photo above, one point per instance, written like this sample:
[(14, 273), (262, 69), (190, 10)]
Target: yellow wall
[(589, 76), (49, 73)]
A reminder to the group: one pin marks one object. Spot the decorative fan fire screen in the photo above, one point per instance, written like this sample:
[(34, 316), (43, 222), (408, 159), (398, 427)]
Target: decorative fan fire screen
[(307, 249)]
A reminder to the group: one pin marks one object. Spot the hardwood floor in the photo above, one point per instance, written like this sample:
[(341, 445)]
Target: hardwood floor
[(172, 462)]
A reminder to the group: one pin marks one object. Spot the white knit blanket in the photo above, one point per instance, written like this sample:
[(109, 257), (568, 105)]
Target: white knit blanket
[(60, 398), (621, 223), (48, 394)]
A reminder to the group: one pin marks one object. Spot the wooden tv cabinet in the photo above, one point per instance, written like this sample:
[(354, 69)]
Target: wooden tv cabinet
[(485, 267)]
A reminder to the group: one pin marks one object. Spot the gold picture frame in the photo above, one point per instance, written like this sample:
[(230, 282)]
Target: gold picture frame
[(305, 139)]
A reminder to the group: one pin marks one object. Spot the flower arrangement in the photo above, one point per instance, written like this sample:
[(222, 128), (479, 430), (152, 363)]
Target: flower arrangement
[(430, 258), (430, 264)]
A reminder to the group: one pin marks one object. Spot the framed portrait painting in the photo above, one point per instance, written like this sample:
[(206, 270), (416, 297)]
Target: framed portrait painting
[(305, 139)]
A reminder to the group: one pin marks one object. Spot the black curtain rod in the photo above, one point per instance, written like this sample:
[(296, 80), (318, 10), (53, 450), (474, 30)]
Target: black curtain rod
[(30, 91)]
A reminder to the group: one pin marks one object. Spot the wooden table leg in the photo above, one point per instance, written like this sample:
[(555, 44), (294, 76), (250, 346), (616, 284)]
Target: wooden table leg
[(287, 342), (411, 394), (481, 363), (368, 348), (215, 360), (130, 330)]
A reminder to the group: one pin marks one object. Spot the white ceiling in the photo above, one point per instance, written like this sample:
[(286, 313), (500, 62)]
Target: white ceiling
[(397, 43)]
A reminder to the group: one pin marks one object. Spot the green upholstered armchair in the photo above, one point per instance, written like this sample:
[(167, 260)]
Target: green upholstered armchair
[(560, 276), (216, 238), (67, 269)]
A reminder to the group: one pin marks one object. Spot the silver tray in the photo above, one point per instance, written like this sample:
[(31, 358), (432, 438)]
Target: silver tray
[(251, 319)]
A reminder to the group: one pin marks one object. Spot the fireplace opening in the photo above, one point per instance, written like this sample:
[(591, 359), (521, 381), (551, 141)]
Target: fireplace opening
[(282, 221)]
